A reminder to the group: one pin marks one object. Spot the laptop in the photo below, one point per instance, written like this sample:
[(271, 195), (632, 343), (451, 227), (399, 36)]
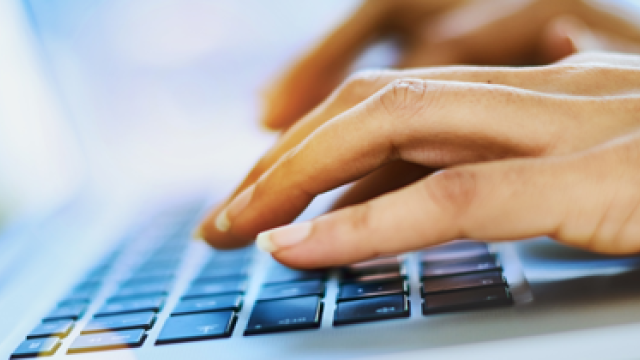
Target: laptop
[(145, 101)]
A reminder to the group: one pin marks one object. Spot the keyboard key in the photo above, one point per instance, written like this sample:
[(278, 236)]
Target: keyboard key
[(371, 289), (208, 274), (383, 264), (284, 315), (131, 305), (106, 341), (197, 327), (71, 311), (281, 274), (215, 288), (37, 347), (371, 309), (59, 328), (374, 277), (459, 282), (351, 276), (153, 273), (466, 300), (210, 303), (446, 269), (136, 280), (294, 289), (144, 289), (120, 322), (454, 250)]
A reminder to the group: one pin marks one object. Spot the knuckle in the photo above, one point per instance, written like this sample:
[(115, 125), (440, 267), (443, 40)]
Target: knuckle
[(359, 217), (453, 190), (406, 97), (363, 84)]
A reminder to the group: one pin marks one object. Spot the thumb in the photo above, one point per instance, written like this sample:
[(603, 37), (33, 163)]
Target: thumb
[(566, 198)]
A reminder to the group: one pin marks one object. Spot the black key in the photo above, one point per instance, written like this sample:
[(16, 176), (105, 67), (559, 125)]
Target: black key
[(134, 281), (209, 303), (143, 320), (445, 269), (37, 347), (394, 275), (371, 309), (284, 315), (155, 265), (153, 273), (363, 290), (215, 288), (466, 300), (59, 328), (71, 311), (476, 259), (282, 274), (350, 276), (459, 282), (109, 340), (454, 250), (197, 327), (121, 306), (209, 274), (144, 289), (294, 289), (383, 264)]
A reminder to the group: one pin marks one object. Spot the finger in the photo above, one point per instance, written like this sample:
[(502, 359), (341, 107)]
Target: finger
[(430, 123), (390, 177), (553, 79), (317, 73), (590, 201)]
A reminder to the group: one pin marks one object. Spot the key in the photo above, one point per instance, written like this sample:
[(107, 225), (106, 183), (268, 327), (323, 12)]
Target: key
[(59, 328), (197, 327), (446, 269), (459, 282), (388, 263), (85, 293), (374, 277), (154, 265), (144, 279), (371, 309), (148, 289), (143, 320), (368, 273), (37, 347), (208, 274), (71, 311), (363, 290), (294, 289), (157, 273), (284, 315), (282, 274), (215, 288), (121, 306), (454, 250), (210, 303), (466, 300), (107, 341)]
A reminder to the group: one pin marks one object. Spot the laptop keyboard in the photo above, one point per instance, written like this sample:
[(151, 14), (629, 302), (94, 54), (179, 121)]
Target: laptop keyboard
[(140, 275)]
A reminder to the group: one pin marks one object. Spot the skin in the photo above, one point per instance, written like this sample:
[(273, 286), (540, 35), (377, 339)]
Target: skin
[(388, 130)]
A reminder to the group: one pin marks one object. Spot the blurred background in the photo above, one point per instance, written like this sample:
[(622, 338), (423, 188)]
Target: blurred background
[(155, 95)]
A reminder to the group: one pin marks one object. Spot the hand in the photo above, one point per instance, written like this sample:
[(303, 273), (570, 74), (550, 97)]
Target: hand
[(441, 118), (444, 32)]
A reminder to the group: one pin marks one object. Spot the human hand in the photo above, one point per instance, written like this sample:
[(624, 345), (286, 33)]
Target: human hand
[(445, 32), (441, 118)]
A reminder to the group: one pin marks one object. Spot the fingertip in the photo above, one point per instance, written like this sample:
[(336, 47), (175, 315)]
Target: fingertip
[(210, 232)]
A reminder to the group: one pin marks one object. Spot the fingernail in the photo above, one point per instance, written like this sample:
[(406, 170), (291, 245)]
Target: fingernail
[(283, 237), (226, 216), (197, 234)]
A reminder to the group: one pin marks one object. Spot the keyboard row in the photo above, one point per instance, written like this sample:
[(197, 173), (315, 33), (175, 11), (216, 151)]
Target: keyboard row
[(459, 276)]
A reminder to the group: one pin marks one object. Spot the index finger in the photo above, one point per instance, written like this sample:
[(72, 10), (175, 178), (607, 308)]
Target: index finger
[(427, 122)]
